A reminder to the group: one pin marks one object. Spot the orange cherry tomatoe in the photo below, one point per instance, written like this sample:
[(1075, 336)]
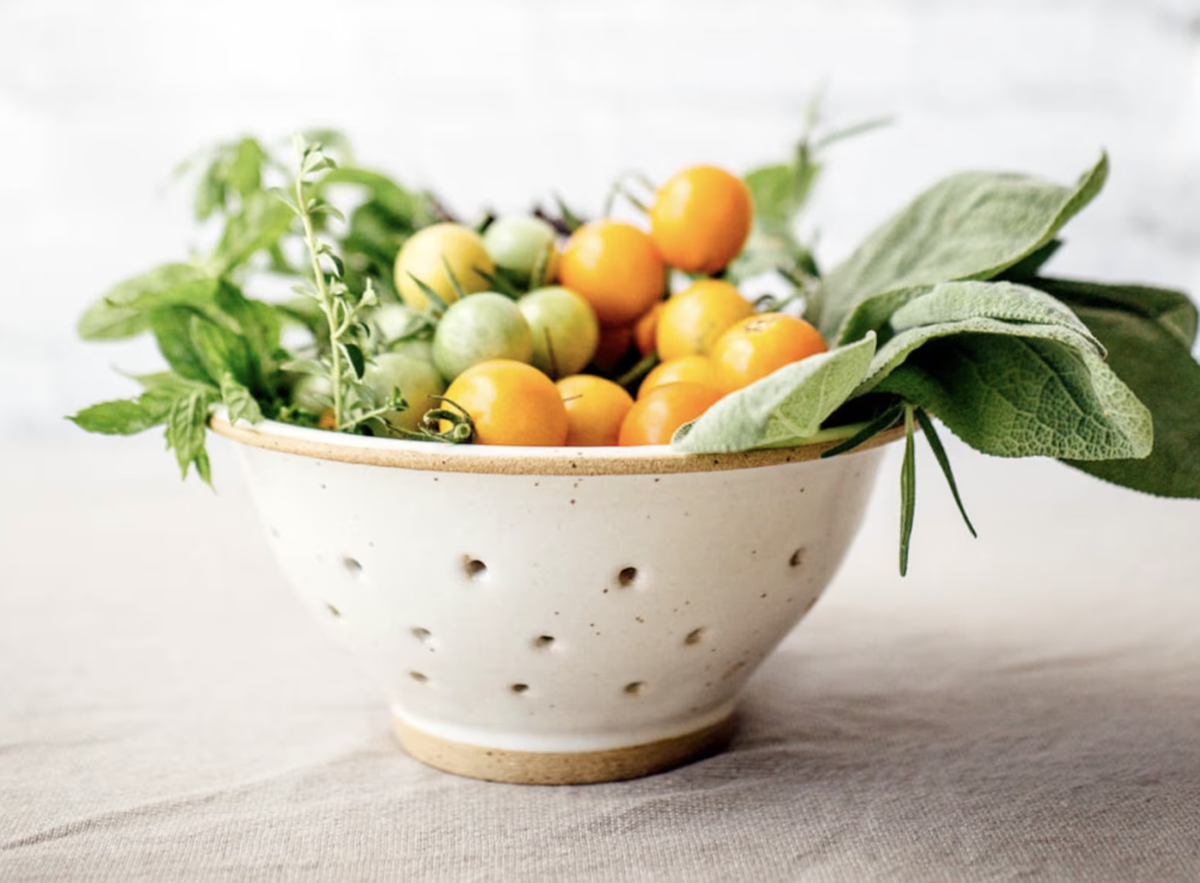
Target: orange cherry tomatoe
[(761, 345), (616, 267), (701, 219), (654, 419), (686, 369)]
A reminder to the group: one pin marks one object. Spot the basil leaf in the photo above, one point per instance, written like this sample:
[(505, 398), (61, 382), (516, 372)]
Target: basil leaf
[(117, 315), (1025, 393), (972, 225), (782, 409)]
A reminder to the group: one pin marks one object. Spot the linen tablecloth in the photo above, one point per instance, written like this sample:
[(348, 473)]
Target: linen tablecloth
[(1023, 706)]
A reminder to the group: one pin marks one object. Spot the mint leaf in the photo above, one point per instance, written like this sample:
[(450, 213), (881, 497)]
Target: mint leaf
[(908, 490), (117, 315), (260, 224), (120, 417), (1026, 394), (172, 330), (785, 408), (187, 423), (972, 225), (239, 401), (221, 351)]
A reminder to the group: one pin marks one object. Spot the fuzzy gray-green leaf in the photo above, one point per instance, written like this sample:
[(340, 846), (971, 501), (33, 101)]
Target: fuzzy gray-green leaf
[(957, 308), (782, 409), (972, 225), (1030, 395)]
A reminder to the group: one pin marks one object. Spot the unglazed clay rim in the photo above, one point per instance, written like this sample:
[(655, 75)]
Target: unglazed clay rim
[(507, 460), (563, 767)]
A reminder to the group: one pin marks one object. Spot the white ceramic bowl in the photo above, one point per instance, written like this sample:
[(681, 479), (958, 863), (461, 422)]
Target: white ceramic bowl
[(554, 615)]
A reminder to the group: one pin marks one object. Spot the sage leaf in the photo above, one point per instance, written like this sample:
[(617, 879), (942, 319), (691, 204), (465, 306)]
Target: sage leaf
[(1032, 393), (958, 308), (115, 315), (782, 409), (1172, 310), (1148, 333), (972, 225)]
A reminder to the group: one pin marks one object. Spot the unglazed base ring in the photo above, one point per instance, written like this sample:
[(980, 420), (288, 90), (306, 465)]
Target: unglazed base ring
[(563, 767)]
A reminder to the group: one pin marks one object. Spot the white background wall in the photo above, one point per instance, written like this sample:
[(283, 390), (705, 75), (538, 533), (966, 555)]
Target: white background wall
[(495, 101)]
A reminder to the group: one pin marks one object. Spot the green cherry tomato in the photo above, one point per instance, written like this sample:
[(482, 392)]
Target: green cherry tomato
[(417, 380), (479, 328), (312, 393), (518, 243), (389, 321), (564, 328)]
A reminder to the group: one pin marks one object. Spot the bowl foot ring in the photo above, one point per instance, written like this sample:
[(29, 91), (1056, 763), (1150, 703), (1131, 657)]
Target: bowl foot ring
[(563, 767)]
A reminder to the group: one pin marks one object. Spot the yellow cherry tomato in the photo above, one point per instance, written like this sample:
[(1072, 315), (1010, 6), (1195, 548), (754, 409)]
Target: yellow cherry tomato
[(511, 403), (595, 409), (432, 254), (693, 319)]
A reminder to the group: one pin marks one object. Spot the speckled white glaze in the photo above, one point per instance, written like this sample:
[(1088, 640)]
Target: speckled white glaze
[(559, 613)]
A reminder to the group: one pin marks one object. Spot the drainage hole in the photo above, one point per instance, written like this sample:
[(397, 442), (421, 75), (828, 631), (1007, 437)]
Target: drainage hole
[(695, 636), (473, 567), (418, 677), (543, 642), (519, 688), (627, 577), (636, 688), (797, 558)]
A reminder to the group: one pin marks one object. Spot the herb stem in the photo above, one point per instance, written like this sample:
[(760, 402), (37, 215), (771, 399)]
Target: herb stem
[(328, 307)]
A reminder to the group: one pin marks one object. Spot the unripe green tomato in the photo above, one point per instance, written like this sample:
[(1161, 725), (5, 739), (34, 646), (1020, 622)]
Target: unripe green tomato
[(564, 328), (417, 379), (518, 243), (479, 328), (426, 256), (389, 321), (312, 392), (416, 349)]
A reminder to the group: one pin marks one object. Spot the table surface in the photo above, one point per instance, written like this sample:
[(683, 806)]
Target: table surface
[(1023, 706)]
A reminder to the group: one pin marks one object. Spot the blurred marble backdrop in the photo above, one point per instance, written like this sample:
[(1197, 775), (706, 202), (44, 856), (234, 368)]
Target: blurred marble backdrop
[(494, 101)]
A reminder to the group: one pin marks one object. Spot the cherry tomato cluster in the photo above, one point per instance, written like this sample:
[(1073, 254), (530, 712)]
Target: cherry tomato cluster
[(516, 365)]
